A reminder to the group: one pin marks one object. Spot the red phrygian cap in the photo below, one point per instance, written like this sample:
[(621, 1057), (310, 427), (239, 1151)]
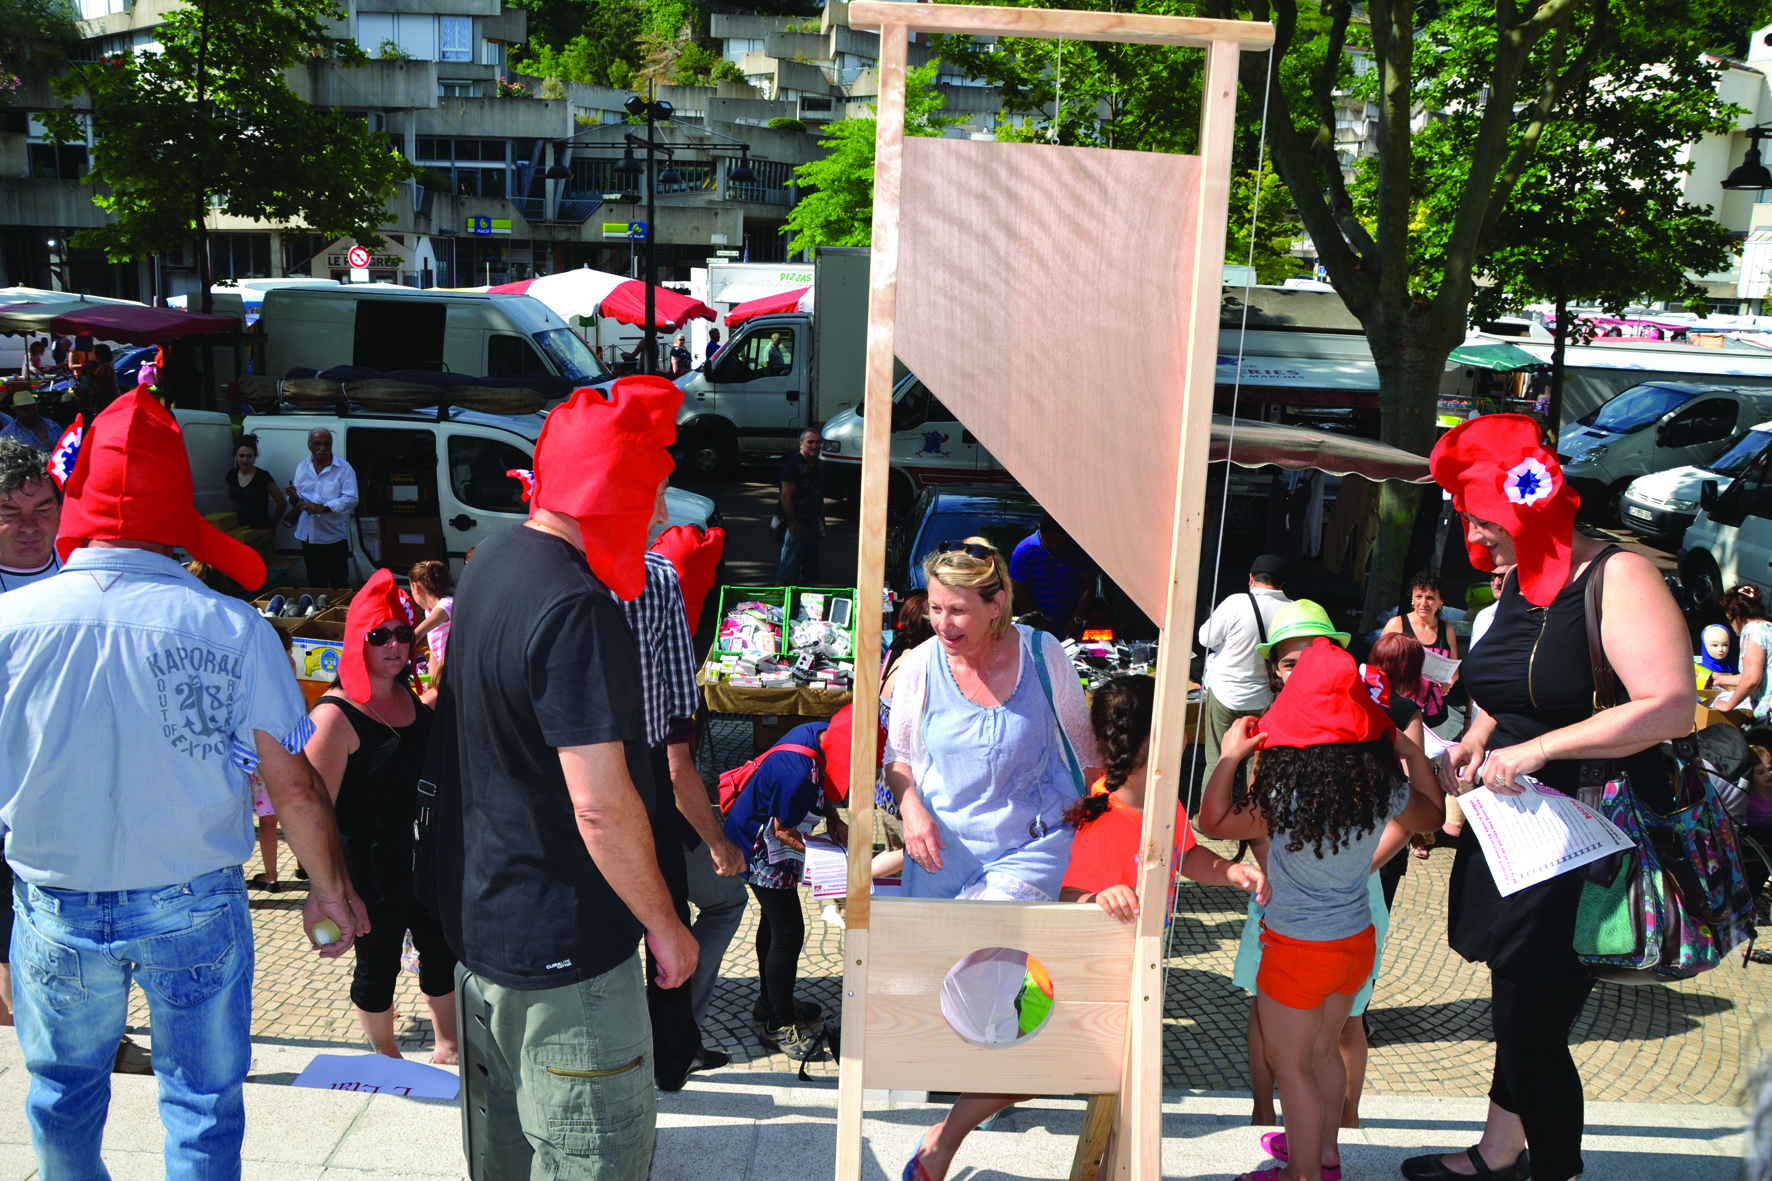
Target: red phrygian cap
[(1325, 701), (380, 601)]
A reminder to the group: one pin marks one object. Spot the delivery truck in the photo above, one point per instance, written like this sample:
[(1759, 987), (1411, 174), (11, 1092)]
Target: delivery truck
[(779, 374)]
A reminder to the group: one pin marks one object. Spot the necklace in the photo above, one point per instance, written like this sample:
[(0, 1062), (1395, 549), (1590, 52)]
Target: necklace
[(986, 668), (534, 524), (371, 712)]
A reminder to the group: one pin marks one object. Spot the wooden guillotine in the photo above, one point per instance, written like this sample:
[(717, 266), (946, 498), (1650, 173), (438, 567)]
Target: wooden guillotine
[(1064, 303)]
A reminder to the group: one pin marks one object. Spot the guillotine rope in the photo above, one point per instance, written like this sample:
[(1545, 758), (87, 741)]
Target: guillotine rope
[(1224, 500)]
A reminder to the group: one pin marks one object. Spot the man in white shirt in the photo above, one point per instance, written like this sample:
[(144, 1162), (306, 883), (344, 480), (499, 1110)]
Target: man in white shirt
[(30, 514), (1235, 679), (1486, 616), (325, 490)]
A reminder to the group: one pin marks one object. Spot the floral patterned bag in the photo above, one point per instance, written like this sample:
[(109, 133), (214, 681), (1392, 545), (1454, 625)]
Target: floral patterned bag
[(1679, 902)]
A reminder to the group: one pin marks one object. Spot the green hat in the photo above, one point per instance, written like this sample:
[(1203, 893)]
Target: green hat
[(1300, 617)]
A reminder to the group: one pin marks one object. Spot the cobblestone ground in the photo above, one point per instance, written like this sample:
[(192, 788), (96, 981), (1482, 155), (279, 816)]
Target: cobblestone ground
[(1686, 1043)]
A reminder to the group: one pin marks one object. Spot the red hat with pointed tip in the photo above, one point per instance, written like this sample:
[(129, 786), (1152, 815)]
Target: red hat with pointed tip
[(131, 480), (600, 462), (380, 601), (1325, 700), (1497, 469), (696, 558)]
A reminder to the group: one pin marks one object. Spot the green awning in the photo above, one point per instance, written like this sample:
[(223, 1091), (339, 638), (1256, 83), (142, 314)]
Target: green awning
[(1504, 357)]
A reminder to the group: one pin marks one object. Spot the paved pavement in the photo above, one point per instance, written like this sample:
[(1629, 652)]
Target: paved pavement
[(763, 1126)]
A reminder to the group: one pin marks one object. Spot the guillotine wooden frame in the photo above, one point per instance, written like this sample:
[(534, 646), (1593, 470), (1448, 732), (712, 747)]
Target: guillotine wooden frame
[(1105, 1032)]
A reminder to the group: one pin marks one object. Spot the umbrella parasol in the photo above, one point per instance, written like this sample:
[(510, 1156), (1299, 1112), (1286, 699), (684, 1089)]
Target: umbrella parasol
[(797, 300), (585, 292), (1506, 358)]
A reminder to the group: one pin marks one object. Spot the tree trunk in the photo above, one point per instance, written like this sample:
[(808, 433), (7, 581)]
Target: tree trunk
[(1409, 374), (205, 271), (1559, 343)]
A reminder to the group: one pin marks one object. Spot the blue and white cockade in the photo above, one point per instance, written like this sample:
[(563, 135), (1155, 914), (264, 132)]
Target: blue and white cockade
[(1529, 482), (67, 450)]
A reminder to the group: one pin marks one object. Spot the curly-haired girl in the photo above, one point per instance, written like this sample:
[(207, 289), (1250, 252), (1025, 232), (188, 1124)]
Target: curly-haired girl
[(1110, 820), (1324, 788)]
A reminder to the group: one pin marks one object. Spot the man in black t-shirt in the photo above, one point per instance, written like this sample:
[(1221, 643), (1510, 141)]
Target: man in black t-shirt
[(802, 507), (557, 881)]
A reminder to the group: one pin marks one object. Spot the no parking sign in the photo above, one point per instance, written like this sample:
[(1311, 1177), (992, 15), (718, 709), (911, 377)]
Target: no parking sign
[(359, 257)]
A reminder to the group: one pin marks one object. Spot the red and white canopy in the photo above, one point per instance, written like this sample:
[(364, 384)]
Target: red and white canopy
[(797, 300), (585, 292)]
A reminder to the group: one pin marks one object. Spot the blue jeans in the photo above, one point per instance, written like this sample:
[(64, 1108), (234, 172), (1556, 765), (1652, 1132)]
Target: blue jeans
[(799, 557), (719, 904), (189, 946)]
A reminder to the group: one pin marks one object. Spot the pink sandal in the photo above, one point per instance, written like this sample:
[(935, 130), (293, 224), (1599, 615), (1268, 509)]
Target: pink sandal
[(1274, 1144)]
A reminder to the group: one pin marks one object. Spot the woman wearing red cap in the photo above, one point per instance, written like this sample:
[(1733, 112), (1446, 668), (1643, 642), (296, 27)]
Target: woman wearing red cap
[(1323, 791), (1535, 682), (370, 737)]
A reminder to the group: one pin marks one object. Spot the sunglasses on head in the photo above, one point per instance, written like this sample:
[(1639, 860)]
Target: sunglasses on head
[(381, 635), (983, 553)]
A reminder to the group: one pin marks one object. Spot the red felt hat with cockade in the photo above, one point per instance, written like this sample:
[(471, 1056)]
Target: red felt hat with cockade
[(1497, 470), (128, 478), (1326, 700), (380, 601), (600, 461)]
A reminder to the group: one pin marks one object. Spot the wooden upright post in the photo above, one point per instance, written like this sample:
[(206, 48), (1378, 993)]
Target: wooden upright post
[(870, 573), (1138, 1144)]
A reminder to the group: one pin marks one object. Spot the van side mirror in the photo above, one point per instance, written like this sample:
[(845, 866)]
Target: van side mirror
[(1708, 499), (1661, 435)]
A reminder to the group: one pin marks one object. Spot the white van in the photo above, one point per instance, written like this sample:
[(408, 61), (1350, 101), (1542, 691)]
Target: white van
[(929, 446), (390, 329), (1650, 428), (1731, 541), (1664, 504), (426, 489)]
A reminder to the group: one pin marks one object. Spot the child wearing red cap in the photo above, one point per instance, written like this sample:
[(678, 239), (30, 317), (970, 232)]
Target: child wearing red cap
[(1110, 820), (1322, 792)]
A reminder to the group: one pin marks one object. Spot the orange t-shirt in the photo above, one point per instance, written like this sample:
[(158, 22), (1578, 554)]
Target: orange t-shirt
[(1105, 851)]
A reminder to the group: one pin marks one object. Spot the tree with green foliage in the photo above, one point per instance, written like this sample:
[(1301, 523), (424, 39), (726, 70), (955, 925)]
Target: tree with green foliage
[(210, 121), (839, 208)]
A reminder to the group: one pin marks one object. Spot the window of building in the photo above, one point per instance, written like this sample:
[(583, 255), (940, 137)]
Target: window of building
[(770, 187), (599, 176), (300, 251), (240, 256), (416, 35), (457, 89), (698, 177), (492, 53), (456, 35), (56, 161)]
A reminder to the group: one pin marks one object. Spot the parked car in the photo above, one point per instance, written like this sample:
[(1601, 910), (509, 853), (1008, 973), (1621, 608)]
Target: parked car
[(1650, 428), (1730, 542), (1665, 504), (1002, 514)]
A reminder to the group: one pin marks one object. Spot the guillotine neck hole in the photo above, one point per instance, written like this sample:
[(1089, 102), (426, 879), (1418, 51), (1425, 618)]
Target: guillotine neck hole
[(997, 997)]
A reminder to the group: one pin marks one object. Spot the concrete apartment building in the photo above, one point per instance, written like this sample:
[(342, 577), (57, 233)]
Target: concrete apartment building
[(489, 213)]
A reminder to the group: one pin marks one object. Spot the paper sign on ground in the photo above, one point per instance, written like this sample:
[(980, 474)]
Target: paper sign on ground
[(376, 1074), (1534, 836), (827, 867), (1438, 669)]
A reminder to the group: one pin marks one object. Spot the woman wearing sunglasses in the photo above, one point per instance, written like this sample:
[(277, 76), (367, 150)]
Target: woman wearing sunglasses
[(370, 734), (989, 743)]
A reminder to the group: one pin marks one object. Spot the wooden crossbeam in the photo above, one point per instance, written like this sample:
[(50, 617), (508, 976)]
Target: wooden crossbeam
[(1135, 27)]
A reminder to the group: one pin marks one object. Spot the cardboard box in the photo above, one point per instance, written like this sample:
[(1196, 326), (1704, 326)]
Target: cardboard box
[(406, 541), (226, 522), (340, 596), (316, 649), (258, 539)]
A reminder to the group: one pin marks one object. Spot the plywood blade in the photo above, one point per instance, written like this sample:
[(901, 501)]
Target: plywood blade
[(1043, 297)]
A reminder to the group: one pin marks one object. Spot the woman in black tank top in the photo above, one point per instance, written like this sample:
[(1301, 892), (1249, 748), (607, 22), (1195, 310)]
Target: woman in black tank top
[(371, 753), (1531, 688)]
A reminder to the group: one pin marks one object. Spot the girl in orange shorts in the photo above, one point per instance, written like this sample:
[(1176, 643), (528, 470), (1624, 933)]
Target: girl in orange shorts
[(1322, 791)]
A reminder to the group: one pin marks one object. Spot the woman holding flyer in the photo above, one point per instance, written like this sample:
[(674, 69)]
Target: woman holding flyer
[(1534, 679)]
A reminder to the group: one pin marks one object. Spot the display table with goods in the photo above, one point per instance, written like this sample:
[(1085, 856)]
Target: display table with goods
[(785, 655)]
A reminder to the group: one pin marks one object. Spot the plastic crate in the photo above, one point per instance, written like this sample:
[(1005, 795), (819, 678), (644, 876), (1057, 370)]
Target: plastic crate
[(731, 596), (830, 592)]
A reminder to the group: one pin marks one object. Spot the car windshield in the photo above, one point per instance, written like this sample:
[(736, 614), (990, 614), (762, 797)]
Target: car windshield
[(1636, 408), (1005, 530), (1735, 460), (569, 355)]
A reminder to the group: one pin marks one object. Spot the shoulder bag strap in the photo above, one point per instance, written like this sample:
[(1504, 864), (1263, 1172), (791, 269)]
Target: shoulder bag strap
[(1260, 623), (1070, 754), (1605, 680)]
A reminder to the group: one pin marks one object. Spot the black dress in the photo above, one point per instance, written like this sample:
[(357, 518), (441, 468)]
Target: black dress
[(1532, 675), (253, 502)]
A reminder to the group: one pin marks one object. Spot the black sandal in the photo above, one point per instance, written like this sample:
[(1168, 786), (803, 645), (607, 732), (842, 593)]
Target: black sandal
[(257, 882), (1431, 1168)]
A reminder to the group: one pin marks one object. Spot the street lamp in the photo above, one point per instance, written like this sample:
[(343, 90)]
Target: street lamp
[(654, 113), (1752, 174)]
